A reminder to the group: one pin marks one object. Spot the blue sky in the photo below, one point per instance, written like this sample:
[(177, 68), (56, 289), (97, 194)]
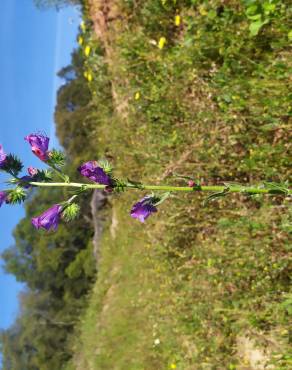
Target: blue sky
[(35, 45)]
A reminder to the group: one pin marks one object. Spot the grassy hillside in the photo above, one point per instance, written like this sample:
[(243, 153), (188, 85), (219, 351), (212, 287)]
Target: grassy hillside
[(198, 88)]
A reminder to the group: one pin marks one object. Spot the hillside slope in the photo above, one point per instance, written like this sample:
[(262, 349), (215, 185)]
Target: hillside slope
[(198, 88)]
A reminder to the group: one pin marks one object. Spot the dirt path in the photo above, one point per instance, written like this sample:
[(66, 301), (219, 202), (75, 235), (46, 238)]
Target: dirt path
[(106, 19)]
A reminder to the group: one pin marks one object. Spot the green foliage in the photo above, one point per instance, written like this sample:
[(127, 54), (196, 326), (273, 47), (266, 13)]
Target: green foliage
[(213, 102), (262, 12), (42, 261), (84, 264)]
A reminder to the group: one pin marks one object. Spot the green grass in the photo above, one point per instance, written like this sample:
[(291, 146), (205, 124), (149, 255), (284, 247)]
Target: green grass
[(197, 300), (214, 104)]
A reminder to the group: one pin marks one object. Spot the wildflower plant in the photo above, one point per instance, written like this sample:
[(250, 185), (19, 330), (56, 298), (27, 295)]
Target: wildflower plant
[(101, 176)]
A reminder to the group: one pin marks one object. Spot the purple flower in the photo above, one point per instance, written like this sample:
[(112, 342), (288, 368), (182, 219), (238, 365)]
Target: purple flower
[(95, 173), (143, 209), (32, 171), (24, 181), (2, 156), (49, 219), (3, 197), (39, 145)]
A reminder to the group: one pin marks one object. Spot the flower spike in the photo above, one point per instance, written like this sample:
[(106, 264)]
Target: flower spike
[(101, 173)]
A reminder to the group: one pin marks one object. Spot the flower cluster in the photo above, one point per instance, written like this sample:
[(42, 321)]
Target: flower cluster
[(98, 172)]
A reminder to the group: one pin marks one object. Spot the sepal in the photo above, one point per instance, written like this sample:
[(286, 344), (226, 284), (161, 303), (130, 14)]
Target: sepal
[(71, 212), (43, 176), (16, 195), (159, 199), (56, 158), (277, 188), (12, 165), (106, 166), (118, 186)]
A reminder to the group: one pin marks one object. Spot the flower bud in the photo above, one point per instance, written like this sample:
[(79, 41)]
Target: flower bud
[(108, 189), (161, 42), (32, 171), (16, 195), (11, 164), (56, 157)]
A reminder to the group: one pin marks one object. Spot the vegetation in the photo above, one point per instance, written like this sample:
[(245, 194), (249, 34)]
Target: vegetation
[(197, 88), (58, 269), (57, 4)]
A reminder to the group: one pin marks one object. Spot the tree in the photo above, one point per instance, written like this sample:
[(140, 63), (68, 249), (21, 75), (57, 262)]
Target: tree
[(57, 4), (57, 269)]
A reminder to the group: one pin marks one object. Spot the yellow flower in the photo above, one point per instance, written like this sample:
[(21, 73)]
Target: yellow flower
[(87, 50), (161, 42), (80, 40), (137, 95), (85, 74), (177, 20), (89, 76), (82, 26), (173, 366), (202, 10)]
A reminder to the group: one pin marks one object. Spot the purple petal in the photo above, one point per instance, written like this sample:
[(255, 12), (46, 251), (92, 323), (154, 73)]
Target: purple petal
[(3, 197), (143, 209), (92, 171), (32, 171), (24, 180), (49, 219), (39, 145), (2, 156)]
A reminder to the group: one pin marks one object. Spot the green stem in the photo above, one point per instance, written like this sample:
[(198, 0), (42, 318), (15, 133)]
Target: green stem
[(203, 188), (59, 172)]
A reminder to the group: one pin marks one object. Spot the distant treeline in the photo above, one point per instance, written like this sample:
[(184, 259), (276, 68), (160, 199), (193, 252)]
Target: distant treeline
[(58, 268), (58, 4)]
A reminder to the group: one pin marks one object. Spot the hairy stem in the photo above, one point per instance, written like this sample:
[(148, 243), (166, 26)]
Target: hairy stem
[(204, 188)]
